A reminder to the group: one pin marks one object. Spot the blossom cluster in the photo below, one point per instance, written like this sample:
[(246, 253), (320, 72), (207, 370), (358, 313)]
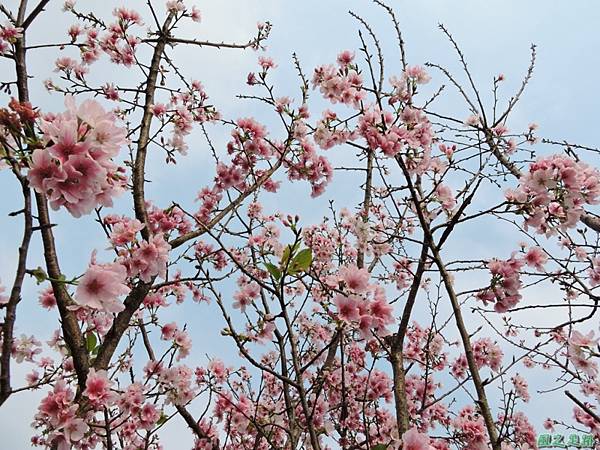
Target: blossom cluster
[(486, 354), (182, 111), (67, 428), (552, 193), (504, 290), (405, 87), (8, 35), (75, 169), (102, 284), (381, 131), (580, 351), (342, 84), (380, 128)]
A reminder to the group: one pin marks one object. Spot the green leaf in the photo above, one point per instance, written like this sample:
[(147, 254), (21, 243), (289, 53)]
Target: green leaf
[(162, 419), (301, 261), (91, 342), (379, 447), (40, 275), (286, 255), (274, 271)]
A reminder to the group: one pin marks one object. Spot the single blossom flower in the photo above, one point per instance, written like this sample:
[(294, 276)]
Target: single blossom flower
[(101, 286), (414, 440)]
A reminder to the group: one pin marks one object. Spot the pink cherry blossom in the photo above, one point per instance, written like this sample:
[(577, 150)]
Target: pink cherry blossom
[(101, 286), (445, 196), (195, 14), (553, 192), (8, 35), (246, 295), (25, 348), (347, 307), (521, 387), (168, 331), (98, 388), (413, 440), (149, 259), (418, 74), (47, 299), (75, 429), (355, 279), (583, 340), (536, 257), (77, 171)]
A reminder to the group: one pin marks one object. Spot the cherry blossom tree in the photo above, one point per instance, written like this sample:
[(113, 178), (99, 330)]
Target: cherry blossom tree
[(359, 331)]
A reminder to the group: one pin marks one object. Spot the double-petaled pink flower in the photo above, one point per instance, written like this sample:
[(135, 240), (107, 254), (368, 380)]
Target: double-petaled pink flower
[(101, 286)]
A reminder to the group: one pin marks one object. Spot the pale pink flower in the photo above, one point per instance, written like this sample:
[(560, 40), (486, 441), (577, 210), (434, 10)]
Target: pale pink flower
[(266, 62), (98, 388), (8, 36), (347, 307), (124, 230), (101, 286), (418, 74), (75, 429), (266, 332), (150, 259), (218, 369), (355, 279), (168, 331), (68, 5), (158, 109), (195, 14), (110, 92), (44, 171), (473, 120), (445, 196), (149, 415), (536, 257), (500, 130), (32, 377), (47, 299), (25, 348), (175, 6), (413, 440), (549, 425), (245, 296), (583, 340), (345, 58), (183, 342), (521, 388), (127, 15)]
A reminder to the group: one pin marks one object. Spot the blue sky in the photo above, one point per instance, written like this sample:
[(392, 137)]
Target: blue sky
[(495, 36)]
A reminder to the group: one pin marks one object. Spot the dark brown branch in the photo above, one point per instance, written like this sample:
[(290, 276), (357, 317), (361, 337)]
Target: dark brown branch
[(139, 198), (71, 332), (218, 45), (36, 11), (15, 293), (189, 420), (120, 325), (456, 309)]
